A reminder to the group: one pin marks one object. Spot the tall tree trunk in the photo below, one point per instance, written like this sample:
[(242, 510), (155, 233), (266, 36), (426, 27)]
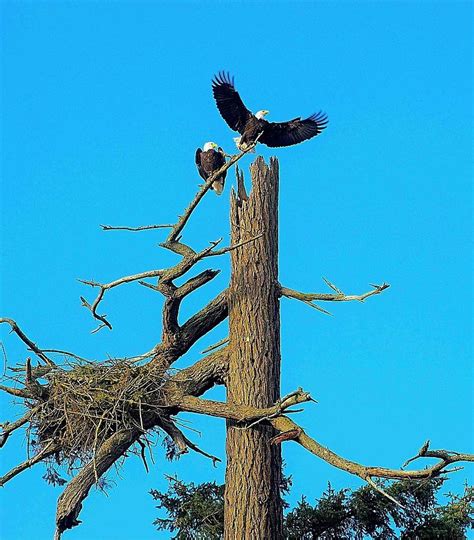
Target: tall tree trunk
[(253, 506)]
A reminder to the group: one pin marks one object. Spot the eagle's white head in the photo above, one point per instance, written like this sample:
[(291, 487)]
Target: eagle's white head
[(260, 114), (210, 146)]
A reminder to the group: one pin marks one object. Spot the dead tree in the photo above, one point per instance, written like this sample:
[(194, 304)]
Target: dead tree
[(86, 415), (254, 360)]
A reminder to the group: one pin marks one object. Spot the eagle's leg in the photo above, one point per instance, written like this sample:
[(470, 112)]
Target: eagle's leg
[(244, 146)]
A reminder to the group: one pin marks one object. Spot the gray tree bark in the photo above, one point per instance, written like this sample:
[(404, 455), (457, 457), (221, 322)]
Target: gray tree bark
[(253, 506)]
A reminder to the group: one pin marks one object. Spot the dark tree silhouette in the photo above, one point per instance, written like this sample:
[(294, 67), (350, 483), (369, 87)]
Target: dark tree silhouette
[(197, 511)]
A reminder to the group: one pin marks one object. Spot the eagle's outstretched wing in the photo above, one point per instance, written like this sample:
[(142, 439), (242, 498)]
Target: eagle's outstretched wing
[(294, 131), (231, 107)]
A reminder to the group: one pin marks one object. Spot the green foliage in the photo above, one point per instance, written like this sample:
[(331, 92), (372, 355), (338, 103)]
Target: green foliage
[(196, 512)]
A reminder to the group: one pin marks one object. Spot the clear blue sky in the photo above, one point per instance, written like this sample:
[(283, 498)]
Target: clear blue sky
[(104, 104)]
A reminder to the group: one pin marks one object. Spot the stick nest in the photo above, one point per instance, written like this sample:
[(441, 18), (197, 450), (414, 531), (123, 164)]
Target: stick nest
[(88, 403)]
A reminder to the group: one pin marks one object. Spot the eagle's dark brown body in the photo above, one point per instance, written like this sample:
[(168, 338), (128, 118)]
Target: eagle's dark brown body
[(207, 163), (253, 128)]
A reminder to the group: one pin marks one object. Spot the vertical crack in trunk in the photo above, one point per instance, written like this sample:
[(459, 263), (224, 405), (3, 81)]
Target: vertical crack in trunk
[(253, 507)]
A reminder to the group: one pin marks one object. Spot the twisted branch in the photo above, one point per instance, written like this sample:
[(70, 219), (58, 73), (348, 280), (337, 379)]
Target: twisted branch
[(106, 286), (368, 473), (165, 286)]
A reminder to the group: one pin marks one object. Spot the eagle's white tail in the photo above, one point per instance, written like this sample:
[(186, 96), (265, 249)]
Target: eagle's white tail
[(218, 186)]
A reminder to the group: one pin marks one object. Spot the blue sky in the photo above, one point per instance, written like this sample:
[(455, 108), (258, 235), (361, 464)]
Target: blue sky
[(104, 104)]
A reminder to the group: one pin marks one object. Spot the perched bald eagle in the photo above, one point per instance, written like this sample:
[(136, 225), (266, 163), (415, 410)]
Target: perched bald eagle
[(250, 125), (208, 160)]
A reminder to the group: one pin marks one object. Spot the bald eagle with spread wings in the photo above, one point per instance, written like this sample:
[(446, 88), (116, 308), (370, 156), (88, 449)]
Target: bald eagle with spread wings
[(252, 127)]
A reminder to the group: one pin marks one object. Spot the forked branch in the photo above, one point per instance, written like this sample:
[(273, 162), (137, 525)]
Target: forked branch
[(166, 276), (241, 413), (106, 286), (182, 442), (337, 296), (368, 473)]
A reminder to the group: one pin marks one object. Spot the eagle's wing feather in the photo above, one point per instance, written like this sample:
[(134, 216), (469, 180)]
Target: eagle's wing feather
[(229, 103), (294, 131), (197, 158)]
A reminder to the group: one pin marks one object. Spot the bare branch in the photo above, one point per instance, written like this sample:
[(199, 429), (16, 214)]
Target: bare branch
[(31, 384), (241, 413), (204, 321), (190, 285), (134, 229), (198, 378), (196, 282), (216, 345), (39, 353), (17, 392), (48, 450), (196, 448), (231, 248), (190, 257), (106, 286), (170, 311), (421, 452), (383, 492), (179, 248), (70, 501), (10, 427), (339, 296), (445, 458), (67, 353), (182, 442)]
